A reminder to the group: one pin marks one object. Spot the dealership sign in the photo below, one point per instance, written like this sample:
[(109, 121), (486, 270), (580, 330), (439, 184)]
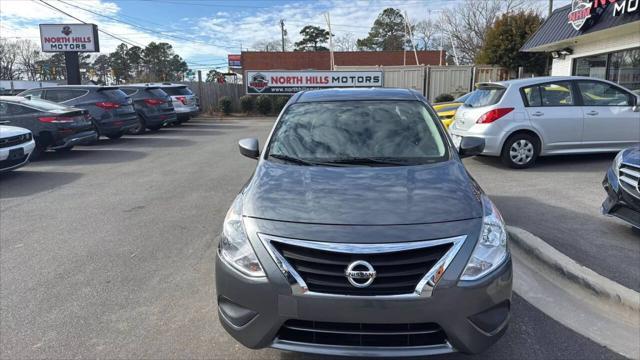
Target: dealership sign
[(69, 37), (234, 60), (290, 82), (582, 10)]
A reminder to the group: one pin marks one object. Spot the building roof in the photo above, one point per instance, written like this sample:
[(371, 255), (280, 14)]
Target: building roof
[(319, 60), (557, 28), (354, 94)]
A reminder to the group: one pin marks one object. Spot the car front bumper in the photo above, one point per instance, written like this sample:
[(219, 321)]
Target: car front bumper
[(473, 315), (620, 201), (7, 164)]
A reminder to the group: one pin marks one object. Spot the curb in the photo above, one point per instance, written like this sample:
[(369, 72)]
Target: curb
[(601, 286)]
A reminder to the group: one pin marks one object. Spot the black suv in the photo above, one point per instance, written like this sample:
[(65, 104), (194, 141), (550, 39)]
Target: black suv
[(111, 109), (54, 126), (153, 106)]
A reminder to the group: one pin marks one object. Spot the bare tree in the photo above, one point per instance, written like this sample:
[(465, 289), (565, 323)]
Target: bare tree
[(466, 24), (426, 34), (270, 45), (8, 60), (28, 54), (345, 42)]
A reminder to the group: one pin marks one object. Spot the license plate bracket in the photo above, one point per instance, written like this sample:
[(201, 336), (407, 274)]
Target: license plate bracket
[(15, 154)]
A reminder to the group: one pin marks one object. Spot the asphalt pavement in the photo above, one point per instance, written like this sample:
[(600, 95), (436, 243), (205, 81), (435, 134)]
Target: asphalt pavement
[(107, 251)]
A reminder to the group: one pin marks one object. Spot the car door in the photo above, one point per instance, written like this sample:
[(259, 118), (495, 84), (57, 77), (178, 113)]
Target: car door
[(609, 120), (552, 111)]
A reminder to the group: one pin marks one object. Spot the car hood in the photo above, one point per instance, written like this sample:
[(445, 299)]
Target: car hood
[(361, 195), (632, 155), (9, 131)]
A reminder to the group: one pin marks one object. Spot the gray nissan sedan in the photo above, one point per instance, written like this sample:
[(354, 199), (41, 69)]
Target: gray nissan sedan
[(362, 234)]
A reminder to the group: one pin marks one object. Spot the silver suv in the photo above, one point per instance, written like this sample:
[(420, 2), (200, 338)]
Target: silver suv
[(526, 118)]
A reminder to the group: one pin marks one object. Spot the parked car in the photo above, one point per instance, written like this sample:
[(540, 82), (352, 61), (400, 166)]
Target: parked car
[(523, 119), (16, 145), (53, 125), (184, 100), (153, 105), (622, 184), (361, 233), (447, 110), (111, 109)]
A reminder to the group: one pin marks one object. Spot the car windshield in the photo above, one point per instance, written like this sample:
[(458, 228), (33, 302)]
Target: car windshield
[(358, 132), (44, 105), (485, 96)]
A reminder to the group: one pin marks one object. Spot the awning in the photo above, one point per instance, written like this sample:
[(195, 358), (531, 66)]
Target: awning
[(557, 30)]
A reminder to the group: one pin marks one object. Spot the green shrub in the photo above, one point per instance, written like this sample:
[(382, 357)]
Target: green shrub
[(247, 103), (225, 104), (444, 98), (264, 104), (279, 102)]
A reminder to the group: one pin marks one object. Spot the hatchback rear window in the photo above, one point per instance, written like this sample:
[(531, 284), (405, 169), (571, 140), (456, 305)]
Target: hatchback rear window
[(177, 90), (485, 96), (157, 92), (114, 94)]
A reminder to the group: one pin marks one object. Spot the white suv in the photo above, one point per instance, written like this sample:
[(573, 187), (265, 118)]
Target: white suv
[(526, 118)]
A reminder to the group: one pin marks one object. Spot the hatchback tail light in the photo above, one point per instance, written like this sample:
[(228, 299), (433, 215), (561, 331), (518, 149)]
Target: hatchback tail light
[(183, 99), (154, 102), (56, 119), (107, 105), (493, 115)]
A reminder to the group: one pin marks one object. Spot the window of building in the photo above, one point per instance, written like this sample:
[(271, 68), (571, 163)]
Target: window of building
[(622, 67)]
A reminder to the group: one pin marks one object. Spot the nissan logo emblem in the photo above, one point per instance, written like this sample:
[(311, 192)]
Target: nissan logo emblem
[(360, 274)]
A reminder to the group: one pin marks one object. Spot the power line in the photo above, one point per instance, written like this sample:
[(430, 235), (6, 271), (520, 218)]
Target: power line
[(84, 22), (152, 31)]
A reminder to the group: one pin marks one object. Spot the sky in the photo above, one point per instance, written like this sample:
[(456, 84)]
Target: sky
[(203, 32)]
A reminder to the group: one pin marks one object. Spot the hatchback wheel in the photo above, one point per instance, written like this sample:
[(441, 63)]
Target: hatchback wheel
[(140, 128), (520, 151)]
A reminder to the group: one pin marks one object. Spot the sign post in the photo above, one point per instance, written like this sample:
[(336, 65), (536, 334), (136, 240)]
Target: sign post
[(70, 39)]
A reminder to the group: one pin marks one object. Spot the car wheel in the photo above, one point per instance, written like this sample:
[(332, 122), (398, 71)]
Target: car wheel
[(140, 128), (65, 149), (37, 152), (520, 151), (115, 136)]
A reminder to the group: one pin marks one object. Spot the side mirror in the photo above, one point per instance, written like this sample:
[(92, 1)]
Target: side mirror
[(28, 97), (636, 105), (471, 146), (249, 147)]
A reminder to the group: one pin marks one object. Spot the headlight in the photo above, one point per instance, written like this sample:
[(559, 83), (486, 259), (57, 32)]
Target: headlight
[(235, 248), (491, 249), (617, 162)]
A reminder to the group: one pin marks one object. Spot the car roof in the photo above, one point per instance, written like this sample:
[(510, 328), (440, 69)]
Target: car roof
[(157, 84), (83, 87), (353, 94), (537, 80)]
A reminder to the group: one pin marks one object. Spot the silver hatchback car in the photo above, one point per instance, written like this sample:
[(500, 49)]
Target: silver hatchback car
[(526, 118)]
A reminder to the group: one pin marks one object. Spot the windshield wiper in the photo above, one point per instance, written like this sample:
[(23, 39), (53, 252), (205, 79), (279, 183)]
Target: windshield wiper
[(369, 161), (291, 159)]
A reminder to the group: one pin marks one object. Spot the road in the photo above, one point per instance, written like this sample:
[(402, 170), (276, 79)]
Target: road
[(107, 252)]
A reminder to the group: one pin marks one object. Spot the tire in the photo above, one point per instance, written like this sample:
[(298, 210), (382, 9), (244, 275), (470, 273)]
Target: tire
[(37, 152), (115, 136), (520, 151), (140, 129), (66, 149)]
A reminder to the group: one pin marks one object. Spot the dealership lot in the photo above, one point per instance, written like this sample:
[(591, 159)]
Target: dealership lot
[(107, 250)]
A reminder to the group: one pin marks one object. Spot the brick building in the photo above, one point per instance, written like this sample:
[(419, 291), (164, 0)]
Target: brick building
[(319, 60)]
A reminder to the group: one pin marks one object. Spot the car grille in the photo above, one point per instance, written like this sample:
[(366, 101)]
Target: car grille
[(397, 272), (4, 164), (15, 140), (355, 334), (630, 178)]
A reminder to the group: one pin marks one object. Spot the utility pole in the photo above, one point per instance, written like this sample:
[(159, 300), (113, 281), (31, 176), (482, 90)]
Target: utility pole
[(550, 8), (408, 26), (282, 32), (331, 61)]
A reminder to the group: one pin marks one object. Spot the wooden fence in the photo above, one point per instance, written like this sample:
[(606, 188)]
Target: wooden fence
[(209, 93)]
